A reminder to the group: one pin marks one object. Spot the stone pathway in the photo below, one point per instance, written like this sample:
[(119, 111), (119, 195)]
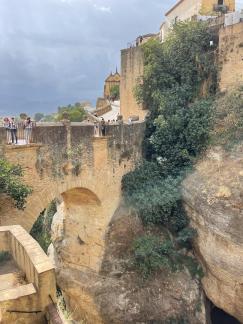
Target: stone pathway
[(10, 275), (110, 115)]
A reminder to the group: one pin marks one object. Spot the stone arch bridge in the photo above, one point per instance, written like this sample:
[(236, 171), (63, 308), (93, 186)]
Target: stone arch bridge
[(84, 172)]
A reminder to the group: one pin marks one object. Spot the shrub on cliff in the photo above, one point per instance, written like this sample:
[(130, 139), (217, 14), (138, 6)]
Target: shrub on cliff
[(11, 183), (228, 127), (152, 254), (41, 230), (179, 80)]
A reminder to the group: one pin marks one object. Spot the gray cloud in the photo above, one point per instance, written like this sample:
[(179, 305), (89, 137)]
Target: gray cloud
[(55, 52)]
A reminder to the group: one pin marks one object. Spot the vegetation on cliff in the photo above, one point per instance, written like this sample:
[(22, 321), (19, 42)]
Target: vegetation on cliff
[(11, 183), (41, 230), (228, 125), (179, 81)]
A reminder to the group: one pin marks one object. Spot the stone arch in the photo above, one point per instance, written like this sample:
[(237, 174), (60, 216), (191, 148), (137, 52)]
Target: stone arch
[(79, 226), (80, 195), (84, 222)]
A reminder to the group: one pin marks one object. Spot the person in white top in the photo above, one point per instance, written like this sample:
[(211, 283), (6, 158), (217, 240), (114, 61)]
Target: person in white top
[(6, 125), (28, 126)]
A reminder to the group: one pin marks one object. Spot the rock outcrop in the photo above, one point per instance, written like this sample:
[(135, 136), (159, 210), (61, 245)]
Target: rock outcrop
[(118, 294), (213, 197)]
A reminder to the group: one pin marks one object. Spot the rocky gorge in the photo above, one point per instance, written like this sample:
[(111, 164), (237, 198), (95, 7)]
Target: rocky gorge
[(118, 294), (213, 197)]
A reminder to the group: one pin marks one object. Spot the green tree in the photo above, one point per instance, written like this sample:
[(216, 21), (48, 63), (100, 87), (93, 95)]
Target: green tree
[(11, 184), (23, 116), (115, 92), (38, 116), (75, 113)]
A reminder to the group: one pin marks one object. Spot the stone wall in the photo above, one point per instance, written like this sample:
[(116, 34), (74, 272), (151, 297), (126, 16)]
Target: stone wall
[(231, 56), (132, 65), (39, 276), (85, 173)]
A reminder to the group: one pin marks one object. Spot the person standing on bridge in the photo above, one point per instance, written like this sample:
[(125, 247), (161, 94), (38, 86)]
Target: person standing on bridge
[(6, 125), (96, 129), (13, 130), (103, 127), (28, 126)]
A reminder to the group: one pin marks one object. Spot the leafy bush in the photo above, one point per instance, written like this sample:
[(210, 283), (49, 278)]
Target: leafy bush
[(185, 237), (152, 254), (41, 230), (153, 196), (11, 184)]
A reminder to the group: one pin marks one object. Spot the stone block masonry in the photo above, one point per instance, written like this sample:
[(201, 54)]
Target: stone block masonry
[(26, 303), (85, 173), (132, 67)]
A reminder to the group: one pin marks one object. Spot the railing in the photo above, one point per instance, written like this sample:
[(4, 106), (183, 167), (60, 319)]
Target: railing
[(58, 132), (21, 135)]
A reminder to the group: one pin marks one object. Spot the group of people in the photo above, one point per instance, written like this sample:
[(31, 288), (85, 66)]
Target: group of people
[(100, 127), (12, 127)]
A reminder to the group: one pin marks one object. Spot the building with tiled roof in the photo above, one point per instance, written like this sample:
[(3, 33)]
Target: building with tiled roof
[(111, 81)]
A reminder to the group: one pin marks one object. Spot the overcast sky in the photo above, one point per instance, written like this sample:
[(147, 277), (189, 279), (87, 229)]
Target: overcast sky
[(56, 52)]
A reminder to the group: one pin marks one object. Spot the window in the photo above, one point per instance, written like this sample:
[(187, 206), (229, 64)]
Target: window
[(220, 2)]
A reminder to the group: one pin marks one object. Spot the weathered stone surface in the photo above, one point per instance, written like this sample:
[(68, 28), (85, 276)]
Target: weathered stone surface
[(213, 199), (86, 173), (29, 285), (118, 294)]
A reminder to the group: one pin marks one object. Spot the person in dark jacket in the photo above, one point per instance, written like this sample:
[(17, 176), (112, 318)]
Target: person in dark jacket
[(103, 127)]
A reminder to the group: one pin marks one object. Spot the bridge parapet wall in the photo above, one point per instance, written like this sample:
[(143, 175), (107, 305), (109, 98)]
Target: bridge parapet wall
[(25, 299), (66, 157), (84, 172)]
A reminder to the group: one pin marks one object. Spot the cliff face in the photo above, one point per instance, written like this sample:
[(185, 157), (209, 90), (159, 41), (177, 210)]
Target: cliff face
[(118, 294), (213, 197)]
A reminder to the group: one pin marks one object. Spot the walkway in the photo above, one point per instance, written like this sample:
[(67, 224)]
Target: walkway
[(113, 113), (10, 275)]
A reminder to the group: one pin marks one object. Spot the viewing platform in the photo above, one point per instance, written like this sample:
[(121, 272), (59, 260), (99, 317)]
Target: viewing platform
[(62, 133)]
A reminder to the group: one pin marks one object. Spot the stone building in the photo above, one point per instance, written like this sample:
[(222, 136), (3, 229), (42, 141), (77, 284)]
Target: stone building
[(193, 9), (132, 67), (111, 81), (142, 39)]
